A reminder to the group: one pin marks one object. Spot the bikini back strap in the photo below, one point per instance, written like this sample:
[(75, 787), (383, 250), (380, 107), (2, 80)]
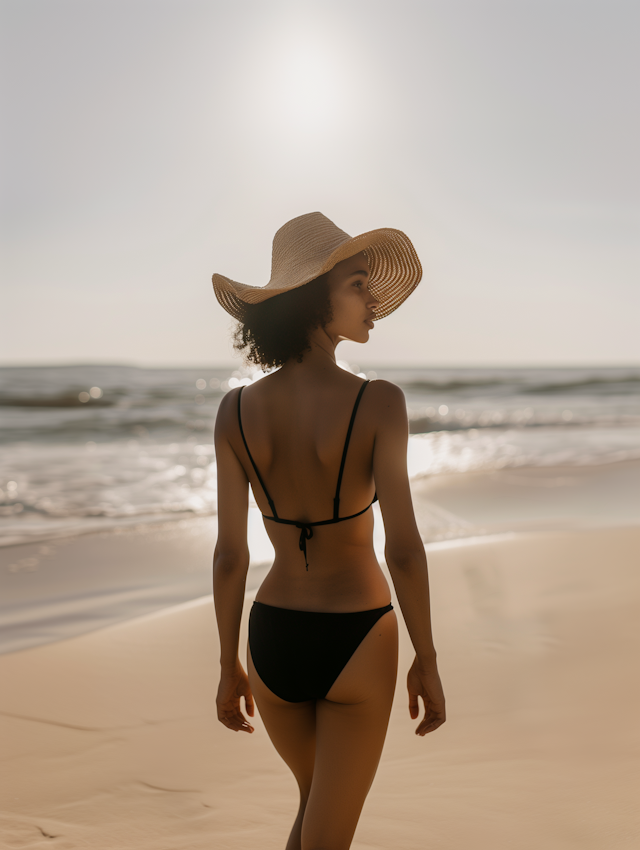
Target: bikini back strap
[(253, 463), (336, 500)]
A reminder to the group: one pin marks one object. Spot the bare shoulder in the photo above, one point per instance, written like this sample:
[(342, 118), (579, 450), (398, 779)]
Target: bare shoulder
[(387, 401), (386, 393)]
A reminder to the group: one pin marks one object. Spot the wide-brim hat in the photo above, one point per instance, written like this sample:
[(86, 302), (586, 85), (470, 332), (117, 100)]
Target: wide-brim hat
[(311, 245)]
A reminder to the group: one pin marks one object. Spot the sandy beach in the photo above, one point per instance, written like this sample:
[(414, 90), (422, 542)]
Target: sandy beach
[(110, 737)]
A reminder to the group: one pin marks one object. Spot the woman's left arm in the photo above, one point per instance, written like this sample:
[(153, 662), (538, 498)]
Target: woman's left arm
[(230, 565)]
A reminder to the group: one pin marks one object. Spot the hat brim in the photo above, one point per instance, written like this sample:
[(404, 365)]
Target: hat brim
[(394, 267)]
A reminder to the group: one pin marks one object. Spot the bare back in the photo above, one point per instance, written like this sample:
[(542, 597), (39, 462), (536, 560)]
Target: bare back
[(295, 429)]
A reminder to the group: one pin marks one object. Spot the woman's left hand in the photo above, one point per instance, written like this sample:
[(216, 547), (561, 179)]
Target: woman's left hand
[(234, 684)]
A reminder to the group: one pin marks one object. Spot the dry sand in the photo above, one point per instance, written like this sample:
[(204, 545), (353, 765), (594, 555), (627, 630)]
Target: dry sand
[(109, 739)]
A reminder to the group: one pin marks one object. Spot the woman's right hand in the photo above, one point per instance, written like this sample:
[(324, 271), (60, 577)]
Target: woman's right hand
[(234, 684), (424, 681)]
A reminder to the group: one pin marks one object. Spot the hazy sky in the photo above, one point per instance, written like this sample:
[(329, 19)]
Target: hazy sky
[(147, 144)]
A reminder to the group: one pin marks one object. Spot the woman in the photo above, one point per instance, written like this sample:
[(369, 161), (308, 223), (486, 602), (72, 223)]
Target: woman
[(318, 445)]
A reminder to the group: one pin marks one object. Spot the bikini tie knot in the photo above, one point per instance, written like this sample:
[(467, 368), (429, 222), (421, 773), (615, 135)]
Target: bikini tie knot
[(306, 533)]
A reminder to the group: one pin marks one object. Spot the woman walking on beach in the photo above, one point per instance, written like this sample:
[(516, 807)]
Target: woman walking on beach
[(319, 445)]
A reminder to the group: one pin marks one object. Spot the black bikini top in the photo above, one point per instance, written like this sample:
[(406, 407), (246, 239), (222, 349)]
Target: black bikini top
[(306, 528)]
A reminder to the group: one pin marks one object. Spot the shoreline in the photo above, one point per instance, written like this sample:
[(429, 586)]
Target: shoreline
[(10, 538)]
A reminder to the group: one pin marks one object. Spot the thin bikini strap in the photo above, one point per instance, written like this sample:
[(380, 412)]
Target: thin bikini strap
[(336, 501), (253, 463)]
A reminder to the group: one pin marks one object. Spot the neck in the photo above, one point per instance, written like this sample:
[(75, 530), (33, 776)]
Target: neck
[(320, 357)]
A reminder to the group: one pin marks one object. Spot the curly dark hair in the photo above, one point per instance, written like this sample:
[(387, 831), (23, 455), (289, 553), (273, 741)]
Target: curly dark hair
[(273, 331)]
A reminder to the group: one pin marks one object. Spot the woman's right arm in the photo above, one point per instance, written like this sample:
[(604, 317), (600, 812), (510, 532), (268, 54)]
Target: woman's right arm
[(230, 565), (404, 552)]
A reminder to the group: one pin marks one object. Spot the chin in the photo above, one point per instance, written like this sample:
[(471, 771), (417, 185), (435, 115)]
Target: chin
[(361, 337)]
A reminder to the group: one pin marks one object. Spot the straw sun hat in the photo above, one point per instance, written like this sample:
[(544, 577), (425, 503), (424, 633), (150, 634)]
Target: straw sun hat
[(310, 245)]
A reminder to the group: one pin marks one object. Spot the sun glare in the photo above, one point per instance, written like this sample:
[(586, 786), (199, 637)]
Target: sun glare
[(306, 91)]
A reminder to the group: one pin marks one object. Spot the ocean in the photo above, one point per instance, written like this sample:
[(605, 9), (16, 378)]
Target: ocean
[(97, 447)]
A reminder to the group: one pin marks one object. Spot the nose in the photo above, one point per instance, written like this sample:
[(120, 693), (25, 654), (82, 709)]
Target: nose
[(372, 302)]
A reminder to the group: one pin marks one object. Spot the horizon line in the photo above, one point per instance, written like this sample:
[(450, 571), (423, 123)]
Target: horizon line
[(232, 365)]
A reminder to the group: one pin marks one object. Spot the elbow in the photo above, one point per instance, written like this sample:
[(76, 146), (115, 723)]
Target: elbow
[(230, 563), (406, 560)]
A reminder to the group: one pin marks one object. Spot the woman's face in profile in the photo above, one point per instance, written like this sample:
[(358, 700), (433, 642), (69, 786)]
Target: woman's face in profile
[(352, 304)]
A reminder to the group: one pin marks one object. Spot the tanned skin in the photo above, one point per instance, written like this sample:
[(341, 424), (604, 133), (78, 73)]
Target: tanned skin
[(295, 422)]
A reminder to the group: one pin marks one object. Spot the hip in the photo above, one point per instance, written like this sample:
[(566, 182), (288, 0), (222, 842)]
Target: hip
[(300, 654)]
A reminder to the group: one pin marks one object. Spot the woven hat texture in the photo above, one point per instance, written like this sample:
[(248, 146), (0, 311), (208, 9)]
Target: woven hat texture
[(311, 245)]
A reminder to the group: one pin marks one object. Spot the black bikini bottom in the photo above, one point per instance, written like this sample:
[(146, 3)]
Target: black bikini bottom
[(300, 654)]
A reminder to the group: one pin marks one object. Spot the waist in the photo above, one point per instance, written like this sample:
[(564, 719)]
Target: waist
[(338, 580), (298, 611)]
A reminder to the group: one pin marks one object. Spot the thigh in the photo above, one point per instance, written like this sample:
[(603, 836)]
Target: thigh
[(351, 725), (291, 726)]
